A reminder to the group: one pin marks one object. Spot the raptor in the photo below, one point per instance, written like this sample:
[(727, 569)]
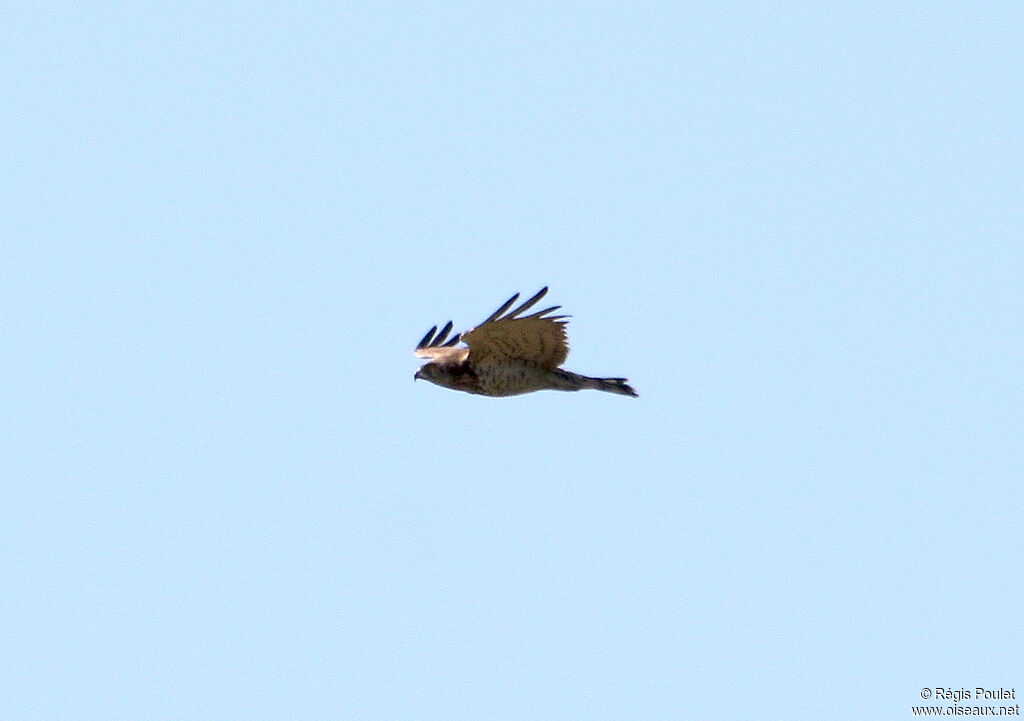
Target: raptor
[(508, 354)]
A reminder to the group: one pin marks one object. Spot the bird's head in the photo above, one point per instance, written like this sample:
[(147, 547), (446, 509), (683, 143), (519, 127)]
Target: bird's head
[(448, 375), (431, 372)]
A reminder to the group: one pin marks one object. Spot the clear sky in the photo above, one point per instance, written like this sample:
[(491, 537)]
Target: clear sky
[(796, 228)]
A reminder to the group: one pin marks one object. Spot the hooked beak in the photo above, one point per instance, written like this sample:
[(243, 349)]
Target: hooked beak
[(416, 376)]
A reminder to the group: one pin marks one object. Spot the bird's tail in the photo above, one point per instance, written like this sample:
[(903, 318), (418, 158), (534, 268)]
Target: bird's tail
[(612, 385)]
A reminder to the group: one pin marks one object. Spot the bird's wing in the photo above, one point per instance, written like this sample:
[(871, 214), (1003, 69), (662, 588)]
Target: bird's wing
[(436, 348), (443, 355), (539, 337)]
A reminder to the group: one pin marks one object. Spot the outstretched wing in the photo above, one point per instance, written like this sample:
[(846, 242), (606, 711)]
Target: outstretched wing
[(538, 337), (436, 348)]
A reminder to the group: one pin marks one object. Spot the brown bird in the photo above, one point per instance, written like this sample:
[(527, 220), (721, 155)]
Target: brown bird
[(508, 355)]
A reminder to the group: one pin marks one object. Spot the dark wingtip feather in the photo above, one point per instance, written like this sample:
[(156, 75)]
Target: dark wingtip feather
[(529, 304), (500, 314), (426, 339), (541, 313), (504, 306), (443, 334)]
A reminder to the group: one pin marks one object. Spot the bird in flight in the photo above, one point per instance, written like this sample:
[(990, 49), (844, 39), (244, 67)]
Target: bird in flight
[(508, 354)]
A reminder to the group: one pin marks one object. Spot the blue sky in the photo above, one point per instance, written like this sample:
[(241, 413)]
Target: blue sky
[(795, 227)]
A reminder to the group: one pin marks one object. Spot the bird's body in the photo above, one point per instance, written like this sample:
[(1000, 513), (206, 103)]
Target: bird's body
[(508, 355)]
